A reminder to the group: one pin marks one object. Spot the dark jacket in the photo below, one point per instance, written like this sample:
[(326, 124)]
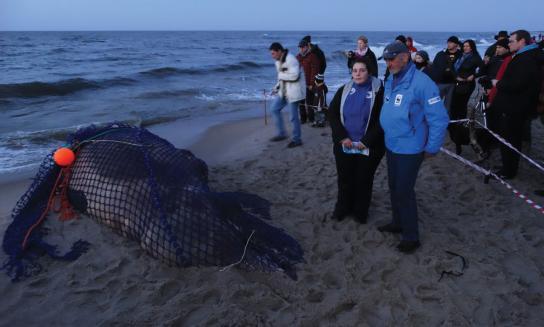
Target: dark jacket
[(442, 67), (370, 59), (373, 138), (321, 56), (310, 64), (490, 52), (519, 88), (469, 66), (489, 72)]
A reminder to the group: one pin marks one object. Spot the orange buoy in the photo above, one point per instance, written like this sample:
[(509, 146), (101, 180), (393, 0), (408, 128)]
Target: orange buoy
[(64, 157)]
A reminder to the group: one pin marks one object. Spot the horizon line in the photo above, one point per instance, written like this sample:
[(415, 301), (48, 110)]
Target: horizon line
[(242, 30)]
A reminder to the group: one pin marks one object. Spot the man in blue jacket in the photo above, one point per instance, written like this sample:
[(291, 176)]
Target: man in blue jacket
[(414, 121)]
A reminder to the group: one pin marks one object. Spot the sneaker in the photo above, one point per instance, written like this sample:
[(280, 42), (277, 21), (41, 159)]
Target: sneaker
[(390, 228), (293, 144), (278, 138), (408, 246)]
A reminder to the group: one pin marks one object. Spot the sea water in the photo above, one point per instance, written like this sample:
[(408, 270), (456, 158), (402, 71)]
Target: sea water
[(51, 83)]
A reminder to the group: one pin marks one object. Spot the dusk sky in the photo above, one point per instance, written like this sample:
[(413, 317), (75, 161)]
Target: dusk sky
[(347, 15)]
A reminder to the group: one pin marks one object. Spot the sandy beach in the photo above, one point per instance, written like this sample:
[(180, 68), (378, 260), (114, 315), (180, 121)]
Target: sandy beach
[(353, 275)]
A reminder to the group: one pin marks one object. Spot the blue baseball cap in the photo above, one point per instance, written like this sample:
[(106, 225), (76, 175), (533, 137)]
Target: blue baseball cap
[(393, 49)]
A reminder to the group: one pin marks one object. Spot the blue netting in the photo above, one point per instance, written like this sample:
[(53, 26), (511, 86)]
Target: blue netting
[(147, 190)]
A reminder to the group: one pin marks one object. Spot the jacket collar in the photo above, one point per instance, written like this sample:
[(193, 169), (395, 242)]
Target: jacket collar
[(525, 48), (406, 77)]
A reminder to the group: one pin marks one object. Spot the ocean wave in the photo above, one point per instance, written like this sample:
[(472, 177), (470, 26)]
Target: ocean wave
[(171, 71), (168, 94), (20, 139), (161, 120), (59, 88)]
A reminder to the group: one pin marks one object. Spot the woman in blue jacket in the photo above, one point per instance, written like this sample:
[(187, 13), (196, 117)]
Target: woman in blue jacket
[(358, 140)]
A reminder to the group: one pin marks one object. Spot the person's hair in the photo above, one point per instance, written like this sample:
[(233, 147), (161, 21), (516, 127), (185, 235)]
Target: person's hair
[(522, 34), (276, 46), (472, 45), (363, 38), (362, 60)]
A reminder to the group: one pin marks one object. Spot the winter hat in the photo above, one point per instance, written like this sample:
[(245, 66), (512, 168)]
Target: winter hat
[(393, 49), (307, 38), (503, 43), (303, 43), (401, 38), (501, 34), (423, 54)]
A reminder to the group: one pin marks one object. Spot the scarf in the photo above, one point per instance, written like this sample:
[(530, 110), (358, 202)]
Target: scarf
[(461, 60), (361, 53)]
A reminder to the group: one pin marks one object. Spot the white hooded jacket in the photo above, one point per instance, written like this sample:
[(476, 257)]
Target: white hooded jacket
[(290, 84)]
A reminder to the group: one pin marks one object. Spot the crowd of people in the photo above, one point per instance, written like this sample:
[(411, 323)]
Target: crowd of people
[(406, 116)]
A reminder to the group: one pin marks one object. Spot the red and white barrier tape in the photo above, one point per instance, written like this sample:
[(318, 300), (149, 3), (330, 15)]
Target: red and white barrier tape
[(502, 140), (484, 171)]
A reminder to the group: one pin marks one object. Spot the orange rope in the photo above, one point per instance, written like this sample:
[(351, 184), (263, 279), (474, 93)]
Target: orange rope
[(65, 209), (42, 217)]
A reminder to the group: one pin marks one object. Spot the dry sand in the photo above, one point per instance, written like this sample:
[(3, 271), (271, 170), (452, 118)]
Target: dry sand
[(353, 275)]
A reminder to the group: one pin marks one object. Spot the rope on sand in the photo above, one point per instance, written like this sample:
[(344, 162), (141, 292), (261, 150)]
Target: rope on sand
[(486, 172), (243, 254)]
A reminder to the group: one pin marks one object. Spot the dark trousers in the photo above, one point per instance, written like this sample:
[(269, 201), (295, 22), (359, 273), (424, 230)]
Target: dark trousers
[(458, 132), (355, 180), (306, 109), (402, 172), (511, 128)]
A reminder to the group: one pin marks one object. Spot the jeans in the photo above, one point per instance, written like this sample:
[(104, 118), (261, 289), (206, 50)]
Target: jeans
[(402, 172), (278, 104)]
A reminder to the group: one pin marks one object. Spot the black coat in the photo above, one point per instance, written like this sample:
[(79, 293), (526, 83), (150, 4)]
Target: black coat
[(442, 67), (469, 66), (517, 91), (374, 136), (321, 56), (371, 62)]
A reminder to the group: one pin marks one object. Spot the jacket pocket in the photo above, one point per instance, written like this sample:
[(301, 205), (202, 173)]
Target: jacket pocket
[(397, 121)]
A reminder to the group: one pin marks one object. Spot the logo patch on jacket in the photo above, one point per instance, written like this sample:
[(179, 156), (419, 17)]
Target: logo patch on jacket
[(352, 91), (434, 100), (398, 99), (369, 95)]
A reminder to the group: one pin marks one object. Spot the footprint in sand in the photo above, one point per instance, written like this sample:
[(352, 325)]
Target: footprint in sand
[(428, 293), (315, 296)]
